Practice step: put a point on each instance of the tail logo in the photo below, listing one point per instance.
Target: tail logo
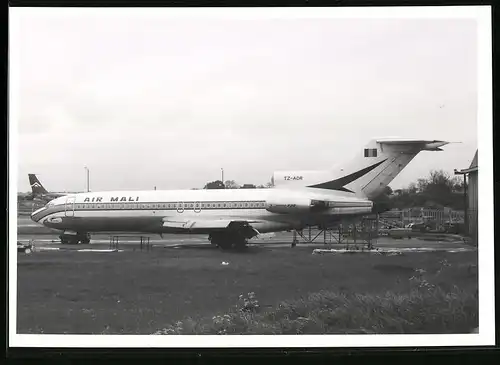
(36, 185)
(338, 184)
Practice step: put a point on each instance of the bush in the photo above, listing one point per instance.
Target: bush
(426, 308)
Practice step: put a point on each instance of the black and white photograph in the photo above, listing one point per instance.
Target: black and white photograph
(200, 175)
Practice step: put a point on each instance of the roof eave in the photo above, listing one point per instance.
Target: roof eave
(466, 171)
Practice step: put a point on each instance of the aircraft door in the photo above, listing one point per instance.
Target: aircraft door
(69, 208)
(197, 207)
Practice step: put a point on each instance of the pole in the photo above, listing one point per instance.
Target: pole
(222, 173)
(88, 179)
(466, 218)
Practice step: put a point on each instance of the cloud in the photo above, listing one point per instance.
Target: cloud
(171, 101)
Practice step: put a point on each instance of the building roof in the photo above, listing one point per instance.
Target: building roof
(474, 161)
(473, 166)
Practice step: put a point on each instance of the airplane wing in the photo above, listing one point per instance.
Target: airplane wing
(210, 224)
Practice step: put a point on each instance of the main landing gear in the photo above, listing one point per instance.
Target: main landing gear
(75, 239)
(228, 240)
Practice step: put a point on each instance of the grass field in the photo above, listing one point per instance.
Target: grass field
(142, 293)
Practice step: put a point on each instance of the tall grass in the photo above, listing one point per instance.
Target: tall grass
(424, 308)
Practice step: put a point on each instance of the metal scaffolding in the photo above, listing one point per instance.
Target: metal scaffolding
(144, 242)
(362, 234)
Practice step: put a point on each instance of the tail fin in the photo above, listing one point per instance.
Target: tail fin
(377, 165)
(36, 186)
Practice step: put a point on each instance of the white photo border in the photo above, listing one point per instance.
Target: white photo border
(486, 335)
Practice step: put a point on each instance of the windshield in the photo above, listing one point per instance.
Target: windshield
(38, 210)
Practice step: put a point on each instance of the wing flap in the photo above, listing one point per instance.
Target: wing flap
(205, 223)
(190, 224)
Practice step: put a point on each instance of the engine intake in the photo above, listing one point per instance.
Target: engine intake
(295, 205)
(289, 203)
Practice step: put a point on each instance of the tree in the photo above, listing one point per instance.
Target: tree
(383, 202)
(436, 191)
(412, 188)
(422, 185)
(217, 184)
(231, 184)
(458, 185)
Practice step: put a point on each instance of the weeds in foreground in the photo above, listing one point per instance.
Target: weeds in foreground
(426, 308)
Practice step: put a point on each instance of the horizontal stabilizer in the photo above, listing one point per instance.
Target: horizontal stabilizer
(425, 145)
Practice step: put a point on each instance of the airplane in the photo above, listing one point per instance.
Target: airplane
(39, 192)
(231, 217)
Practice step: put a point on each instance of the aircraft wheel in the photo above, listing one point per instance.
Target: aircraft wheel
(84, 238)
(240, 243)
(225, 245)
(69, 240)
(228, 241)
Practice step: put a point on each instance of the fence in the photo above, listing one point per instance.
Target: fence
(434, 217)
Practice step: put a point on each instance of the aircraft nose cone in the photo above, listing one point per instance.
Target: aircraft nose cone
(33, 217)
(36, 216)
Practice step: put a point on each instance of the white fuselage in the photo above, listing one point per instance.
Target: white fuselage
(147, 211)
(316, 198)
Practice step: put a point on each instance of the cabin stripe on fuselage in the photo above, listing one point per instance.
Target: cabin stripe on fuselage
(147, 206)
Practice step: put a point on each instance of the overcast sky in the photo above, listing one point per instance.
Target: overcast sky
(168, 102)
